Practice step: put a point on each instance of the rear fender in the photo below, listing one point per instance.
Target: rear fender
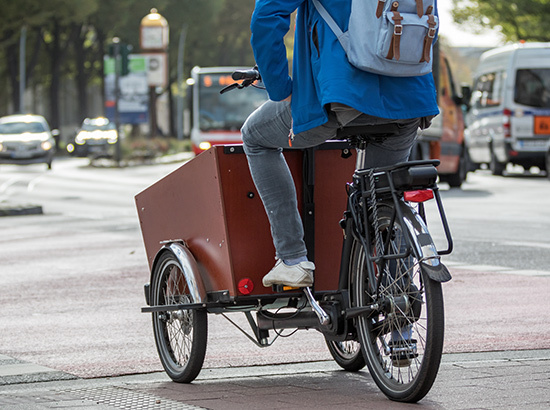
(430, 261)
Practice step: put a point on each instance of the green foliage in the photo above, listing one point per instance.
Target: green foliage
(73, 35)
(518, 19)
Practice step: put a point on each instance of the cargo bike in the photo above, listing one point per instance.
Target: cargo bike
(376, 298)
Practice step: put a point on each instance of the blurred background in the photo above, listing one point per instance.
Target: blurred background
(56, 56)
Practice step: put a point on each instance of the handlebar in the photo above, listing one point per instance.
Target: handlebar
(252, 74)
(249, 76)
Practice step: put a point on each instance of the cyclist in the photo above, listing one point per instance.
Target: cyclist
(324, 94)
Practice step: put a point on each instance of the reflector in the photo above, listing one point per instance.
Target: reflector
(246, 286)
(419, 195)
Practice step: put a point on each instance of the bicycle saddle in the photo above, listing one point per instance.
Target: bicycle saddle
(367, 132)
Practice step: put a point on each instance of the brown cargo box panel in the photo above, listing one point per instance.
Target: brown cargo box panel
(211, 203)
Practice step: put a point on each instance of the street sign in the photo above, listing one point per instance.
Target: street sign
(133, 101)
(157, 69)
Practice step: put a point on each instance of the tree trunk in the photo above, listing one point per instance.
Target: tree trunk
(12, 60)
(55, 71)
(81, 77)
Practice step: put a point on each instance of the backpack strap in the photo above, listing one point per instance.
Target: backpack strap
(343, 39)
(393, 52)
(380, 8)
(419, 8)
(328, 18)
(428, 40)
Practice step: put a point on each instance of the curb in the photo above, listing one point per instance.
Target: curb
(18, 210)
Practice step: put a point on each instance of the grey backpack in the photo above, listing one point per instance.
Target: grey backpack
(392, 38)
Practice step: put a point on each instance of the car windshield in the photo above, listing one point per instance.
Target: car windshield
(533, 87)
(95, 127)
(21, 127)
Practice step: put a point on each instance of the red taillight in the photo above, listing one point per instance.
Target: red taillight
(246, 286)
(506, 122)
(419, 196)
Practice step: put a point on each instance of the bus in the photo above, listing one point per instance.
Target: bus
(217, 118)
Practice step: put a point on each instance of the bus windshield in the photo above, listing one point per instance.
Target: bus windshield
(225, 112)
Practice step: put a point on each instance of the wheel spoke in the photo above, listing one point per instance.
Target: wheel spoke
(180, 334)
(395, 337)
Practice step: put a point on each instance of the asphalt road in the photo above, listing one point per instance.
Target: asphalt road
(72, 278)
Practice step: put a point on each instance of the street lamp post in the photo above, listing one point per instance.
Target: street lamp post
(154, 38)
(118, 64)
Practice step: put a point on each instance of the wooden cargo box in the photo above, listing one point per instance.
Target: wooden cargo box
(211, 203)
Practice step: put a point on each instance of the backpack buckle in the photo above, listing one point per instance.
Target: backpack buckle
(398, 30)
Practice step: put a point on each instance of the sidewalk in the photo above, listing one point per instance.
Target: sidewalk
(490, 380)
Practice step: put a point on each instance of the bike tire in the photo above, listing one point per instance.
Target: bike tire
(407, 375)
(347, 354)
(180, 336)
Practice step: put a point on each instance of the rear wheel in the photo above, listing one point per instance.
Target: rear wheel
(403, 339)
(496, 167)
(180, 335)
(347, 354)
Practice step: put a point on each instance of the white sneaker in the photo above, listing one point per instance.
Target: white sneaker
(298, 276)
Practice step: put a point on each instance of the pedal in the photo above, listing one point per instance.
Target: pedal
(324, 318)
(284, 288)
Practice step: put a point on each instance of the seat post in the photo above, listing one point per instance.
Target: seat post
(361, 149)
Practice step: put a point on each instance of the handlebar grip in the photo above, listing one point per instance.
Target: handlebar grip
(245, 75)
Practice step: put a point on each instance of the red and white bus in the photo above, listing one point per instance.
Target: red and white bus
(217, 118)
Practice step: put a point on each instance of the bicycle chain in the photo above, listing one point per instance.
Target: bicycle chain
(377, 233)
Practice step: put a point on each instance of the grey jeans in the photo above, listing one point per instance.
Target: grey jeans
(265, 134)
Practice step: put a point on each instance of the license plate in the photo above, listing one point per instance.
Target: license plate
(21, 154)
(542, 125)
(526, 144)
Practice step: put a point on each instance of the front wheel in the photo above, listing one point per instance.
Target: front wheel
(402, 339)
(180, 335)
(455, 180)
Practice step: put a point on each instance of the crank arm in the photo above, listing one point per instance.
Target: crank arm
(324, 319)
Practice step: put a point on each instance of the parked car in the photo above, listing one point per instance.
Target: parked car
(508, 120)
(26, 139)
(96, 138)
(444, 139)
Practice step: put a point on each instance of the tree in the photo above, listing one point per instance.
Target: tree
(23, 13)
(57, 33)
(517, 19)
(68, 39)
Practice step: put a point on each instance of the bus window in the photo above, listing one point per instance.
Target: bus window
(533, 87)
(225, 112)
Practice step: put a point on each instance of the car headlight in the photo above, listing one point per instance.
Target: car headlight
(81, 138)
(70, 148)
(46, 145)
(112, 137)
(204, 145)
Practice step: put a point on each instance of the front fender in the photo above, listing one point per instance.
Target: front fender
(189, 267)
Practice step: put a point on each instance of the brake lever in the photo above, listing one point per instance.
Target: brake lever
(230, 87)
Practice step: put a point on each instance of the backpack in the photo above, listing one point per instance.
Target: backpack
(388, 37)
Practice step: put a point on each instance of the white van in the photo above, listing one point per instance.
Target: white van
(508, 120)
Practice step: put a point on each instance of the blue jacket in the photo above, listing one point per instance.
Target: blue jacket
(322, 76)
